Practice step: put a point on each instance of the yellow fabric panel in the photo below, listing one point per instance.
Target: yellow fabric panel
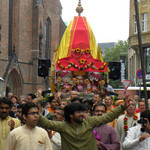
(65, 42)
(92, 41)
(64, 45)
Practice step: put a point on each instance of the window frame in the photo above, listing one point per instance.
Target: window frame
(135, 25)
(147, 57)
(144, 22)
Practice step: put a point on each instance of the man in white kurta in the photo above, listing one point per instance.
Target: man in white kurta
(130, 122)
(56, 141)
(23, 138)
(132, 140)
(29, 136)
(138, 137)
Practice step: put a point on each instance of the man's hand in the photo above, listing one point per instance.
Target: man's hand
(39, 91)
(97, 142)
(127, 102)
(49, 133)
(11, 123)
(143, 137)
(100, 145)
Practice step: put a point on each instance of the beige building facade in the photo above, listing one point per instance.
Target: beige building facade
(133, 53)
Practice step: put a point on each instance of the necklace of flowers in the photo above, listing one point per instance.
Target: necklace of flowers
(135, 117)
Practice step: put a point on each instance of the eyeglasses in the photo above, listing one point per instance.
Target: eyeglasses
(34, 113)
(19, 111)
(57, 113)
(4, 108)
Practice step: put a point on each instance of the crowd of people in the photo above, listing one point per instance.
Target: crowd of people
(69, 122)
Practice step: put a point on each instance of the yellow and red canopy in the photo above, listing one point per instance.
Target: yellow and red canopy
(78, 50)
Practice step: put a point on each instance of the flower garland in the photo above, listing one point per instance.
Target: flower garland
(135, 117)
(77, 50)
(87, 51)
(82, 61)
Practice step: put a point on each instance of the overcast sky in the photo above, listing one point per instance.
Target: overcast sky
(109, 19)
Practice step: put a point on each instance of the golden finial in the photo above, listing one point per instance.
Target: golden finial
(79, 9)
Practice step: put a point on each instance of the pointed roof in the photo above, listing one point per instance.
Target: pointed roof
(78, 47)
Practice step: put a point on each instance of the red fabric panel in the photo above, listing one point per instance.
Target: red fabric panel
(63, 64)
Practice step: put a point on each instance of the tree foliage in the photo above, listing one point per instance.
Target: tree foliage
(113, 55)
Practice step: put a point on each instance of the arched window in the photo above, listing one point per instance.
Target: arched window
(48, 38)
(13, 28)
(10, 28)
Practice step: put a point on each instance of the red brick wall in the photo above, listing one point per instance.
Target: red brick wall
(131, 93)
(26, 18)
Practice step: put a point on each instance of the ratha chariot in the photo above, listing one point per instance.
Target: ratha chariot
(78, 63)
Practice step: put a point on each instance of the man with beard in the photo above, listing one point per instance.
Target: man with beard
(77, 132)
(126, 121)
(7, 123)
(29, 136)
(108, 136)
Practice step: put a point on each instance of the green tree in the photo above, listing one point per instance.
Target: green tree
(113, 55)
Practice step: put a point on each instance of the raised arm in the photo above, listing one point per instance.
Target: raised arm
(52, 125)
(110, 116)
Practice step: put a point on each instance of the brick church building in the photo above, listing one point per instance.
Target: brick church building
(29, 30)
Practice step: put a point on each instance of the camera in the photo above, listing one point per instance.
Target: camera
(142, 121)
